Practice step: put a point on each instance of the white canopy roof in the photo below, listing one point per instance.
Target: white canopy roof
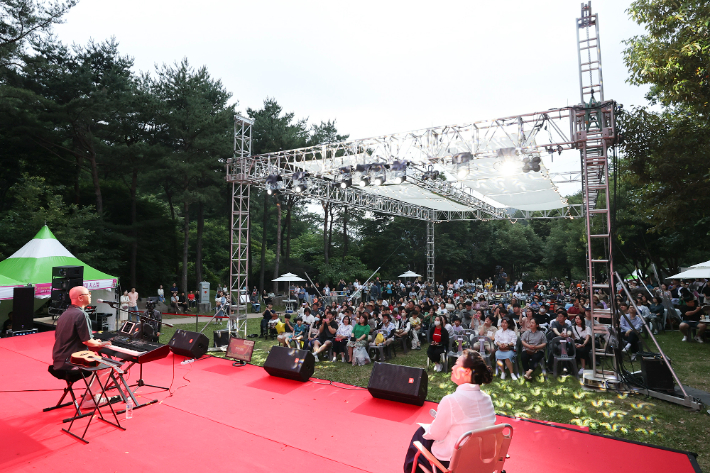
(288, 277)
(410, 274)
(700, 270)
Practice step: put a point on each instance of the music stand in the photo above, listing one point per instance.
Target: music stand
(241, 350)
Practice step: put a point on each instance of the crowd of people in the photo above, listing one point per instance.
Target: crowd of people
(506, 326)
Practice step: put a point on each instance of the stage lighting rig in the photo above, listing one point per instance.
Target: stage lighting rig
(345, 177)
(461, 161)
(378, 174)
(362, 177)
(274, 184)
(300, 181)
(430, 173)
(398, 172)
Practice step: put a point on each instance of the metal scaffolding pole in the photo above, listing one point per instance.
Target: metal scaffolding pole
(430, 251)
(238, 173)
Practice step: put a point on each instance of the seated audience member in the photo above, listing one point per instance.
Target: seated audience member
(581, 333)
(524, 320)
(272, 325)
(308, 318)
(402, 327)
(285, 337)
(300, 332)
(505, 340)
(342, 337)
(657, 311)
(690, 314)
(326, 334)
(358, 339)
(486, 329)
(467, 408)
(534, 342)
(416, 326)
(559, 327)
(628, 324)
(313, 332)
(438, 342)
(387, 328)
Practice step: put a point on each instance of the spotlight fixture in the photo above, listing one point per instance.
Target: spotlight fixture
(430, 173)
(398, 172)
(345, 177)
(461, 161)
(274, 184)
(378, 174)
(362, 178)
(300, 183)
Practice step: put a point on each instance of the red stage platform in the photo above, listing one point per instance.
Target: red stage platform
(220, 418)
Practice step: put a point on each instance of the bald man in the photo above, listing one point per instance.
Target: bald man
(73, 331)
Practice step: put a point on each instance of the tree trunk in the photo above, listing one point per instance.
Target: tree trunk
(264, 220)
(277, 260)
(134, 229)
(326, 207)
(77, 189)
(345, 232)
(186, 242)
(198, 250)
(287, 255)
(169, 196)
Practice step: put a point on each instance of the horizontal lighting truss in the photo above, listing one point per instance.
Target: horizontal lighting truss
(533, 134)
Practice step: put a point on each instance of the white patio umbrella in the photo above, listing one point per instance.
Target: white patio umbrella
(288, 277)
(700, 270)
(410, 274)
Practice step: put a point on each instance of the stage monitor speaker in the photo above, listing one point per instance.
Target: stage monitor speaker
(65, 284)
(190, 344)
(290, 363)
(23, 308)
(655, 373)
(398, 383)
(221, 338)
(68, 272)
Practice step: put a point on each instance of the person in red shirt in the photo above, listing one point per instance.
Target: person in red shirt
(575, 309)
(438, 341)
(191, 299)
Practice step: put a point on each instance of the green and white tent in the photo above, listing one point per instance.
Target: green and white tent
(33, 263)
(7, 286)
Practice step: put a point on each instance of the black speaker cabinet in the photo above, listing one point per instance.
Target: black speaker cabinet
(656, 374)
(290, 363)
(23, 308)
(398, 383)
(190, 344)
(68, 272)
(221, 338)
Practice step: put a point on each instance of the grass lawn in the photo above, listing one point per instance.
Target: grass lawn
(628, 416)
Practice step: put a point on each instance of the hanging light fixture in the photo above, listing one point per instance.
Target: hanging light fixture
(362, 178)
(274, 184)
(378, 174)
(398, 172)
(300, 181)
(461, 163)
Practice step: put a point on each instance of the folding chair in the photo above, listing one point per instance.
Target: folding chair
(480, 451)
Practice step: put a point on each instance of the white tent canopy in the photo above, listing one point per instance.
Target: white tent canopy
(289, 277)
(700, 270)
(410, 274)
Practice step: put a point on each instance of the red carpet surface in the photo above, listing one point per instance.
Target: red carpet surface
(223, 417)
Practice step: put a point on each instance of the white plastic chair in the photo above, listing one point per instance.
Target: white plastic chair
(477, 451)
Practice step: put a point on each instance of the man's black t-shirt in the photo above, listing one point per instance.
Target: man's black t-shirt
(325, 334)
(267, 314)
(72, 330)
(685, 309)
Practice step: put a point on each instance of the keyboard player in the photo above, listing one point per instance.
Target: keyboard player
(73, 333)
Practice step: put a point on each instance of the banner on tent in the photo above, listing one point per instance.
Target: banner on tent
(44, 289)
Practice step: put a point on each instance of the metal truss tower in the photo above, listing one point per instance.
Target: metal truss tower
(594, 132)
(238, 174)
(430, 251)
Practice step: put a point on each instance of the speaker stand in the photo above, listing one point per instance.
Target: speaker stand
(239, 363)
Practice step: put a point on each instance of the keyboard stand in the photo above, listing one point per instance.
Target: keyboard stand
(140, 381)
(97, 407)
(131, 392)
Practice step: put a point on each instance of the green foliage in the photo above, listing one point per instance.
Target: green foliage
(36, 203)
(674, 54)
